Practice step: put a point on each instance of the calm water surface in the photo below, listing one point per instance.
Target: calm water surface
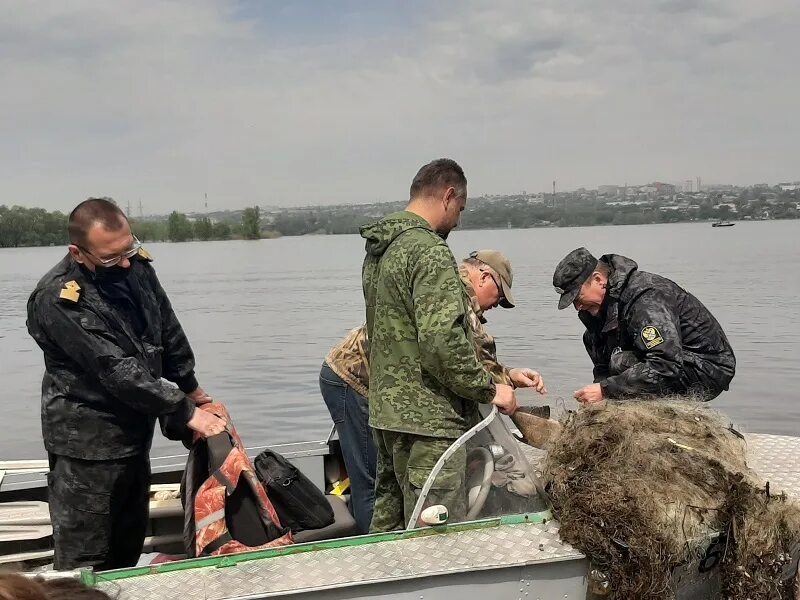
(262, 315)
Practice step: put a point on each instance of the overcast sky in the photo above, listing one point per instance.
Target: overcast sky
(296, 103)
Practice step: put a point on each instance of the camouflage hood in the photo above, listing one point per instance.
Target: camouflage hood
(379, 235)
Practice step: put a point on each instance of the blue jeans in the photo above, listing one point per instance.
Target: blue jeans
(350, 412)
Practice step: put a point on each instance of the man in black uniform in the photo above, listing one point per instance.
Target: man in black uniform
(109, 335)
(645, 334)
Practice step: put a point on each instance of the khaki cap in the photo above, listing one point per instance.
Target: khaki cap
(502, 266)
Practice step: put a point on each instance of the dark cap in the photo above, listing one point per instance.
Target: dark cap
(571, 273)
(501, 266)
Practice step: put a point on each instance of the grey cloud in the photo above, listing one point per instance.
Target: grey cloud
(517, 59)
(682, 6)
(169, 101)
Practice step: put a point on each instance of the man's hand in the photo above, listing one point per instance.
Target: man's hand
(504, 399)
(199, 397)
(528, 378)
(205, 423)
(591, 394)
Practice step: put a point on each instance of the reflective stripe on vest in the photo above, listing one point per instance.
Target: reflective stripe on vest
(212, 518)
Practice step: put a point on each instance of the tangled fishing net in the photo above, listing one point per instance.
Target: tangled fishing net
(643, 487)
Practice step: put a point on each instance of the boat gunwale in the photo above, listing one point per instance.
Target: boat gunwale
(171, 463)
(92, 578)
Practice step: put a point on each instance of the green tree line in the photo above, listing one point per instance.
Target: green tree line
(179, 228)
(20, 226)
(37, 227)
(520, 213)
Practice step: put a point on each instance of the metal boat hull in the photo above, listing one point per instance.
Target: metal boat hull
(520, 556)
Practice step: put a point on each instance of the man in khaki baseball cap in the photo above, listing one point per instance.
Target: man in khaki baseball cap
(487, 278)
(500, 272)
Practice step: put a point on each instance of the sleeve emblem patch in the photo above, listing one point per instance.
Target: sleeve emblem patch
(651, 337)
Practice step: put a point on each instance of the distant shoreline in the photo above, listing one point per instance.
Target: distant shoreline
(273, 235)
(24, 227)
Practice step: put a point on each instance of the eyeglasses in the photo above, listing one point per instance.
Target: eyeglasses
(489, 270)
(500, 294)
(110, 262)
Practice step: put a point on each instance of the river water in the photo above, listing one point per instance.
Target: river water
(262, 315)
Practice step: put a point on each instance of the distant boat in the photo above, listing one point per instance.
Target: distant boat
(722, 224)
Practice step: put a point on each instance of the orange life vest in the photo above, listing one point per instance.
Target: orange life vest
(231, 492)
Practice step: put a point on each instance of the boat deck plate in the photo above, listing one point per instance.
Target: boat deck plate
(465, 551)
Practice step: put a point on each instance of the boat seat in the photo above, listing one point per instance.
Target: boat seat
(344, 525)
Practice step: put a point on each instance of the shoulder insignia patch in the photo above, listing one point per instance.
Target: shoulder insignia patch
(145, 254)
(71, 291)
(651, 337)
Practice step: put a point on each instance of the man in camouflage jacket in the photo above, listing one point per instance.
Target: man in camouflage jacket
(487, 277)
(344, 377)
(109, 335)
(646, 335)
(425, 379)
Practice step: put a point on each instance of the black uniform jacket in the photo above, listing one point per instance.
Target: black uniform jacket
(680, 345)
(104, 362)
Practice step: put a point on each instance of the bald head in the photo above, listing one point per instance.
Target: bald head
(91, 212)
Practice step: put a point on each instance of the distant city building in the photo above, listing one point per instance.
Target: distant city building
(608, 190)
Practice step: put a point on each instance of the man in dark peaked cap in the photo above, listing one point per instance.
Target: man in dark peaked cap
(645, 334)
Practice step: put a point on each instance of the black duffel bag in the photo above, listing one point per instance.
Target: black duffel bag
(299, 503)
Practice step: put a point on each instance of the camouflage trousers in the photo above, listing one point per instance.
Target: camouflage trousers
(99, 511)
(404, 463)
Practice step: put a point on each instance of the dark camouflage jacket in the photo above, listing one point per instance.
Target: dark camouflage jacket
(102, 389)
(424, 376)
(680, 344)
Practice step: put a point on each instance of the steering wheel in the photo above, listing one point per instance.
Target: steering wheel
(479, 480)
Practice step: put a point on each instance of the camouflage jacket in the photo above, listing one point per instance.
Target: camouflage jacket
(102, 389)
(482, 341)
(678, 342)
(349, 359)
(424, 376)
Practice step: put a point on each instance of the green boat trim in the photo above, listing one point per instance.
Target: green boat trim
(91, 578)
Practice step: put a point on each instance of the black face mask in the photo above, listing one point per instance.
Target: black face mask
(115, 274)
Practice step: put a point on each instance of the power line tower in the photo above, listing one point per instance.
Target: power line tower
(141, 211)
(554, 193)
(128, 210)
